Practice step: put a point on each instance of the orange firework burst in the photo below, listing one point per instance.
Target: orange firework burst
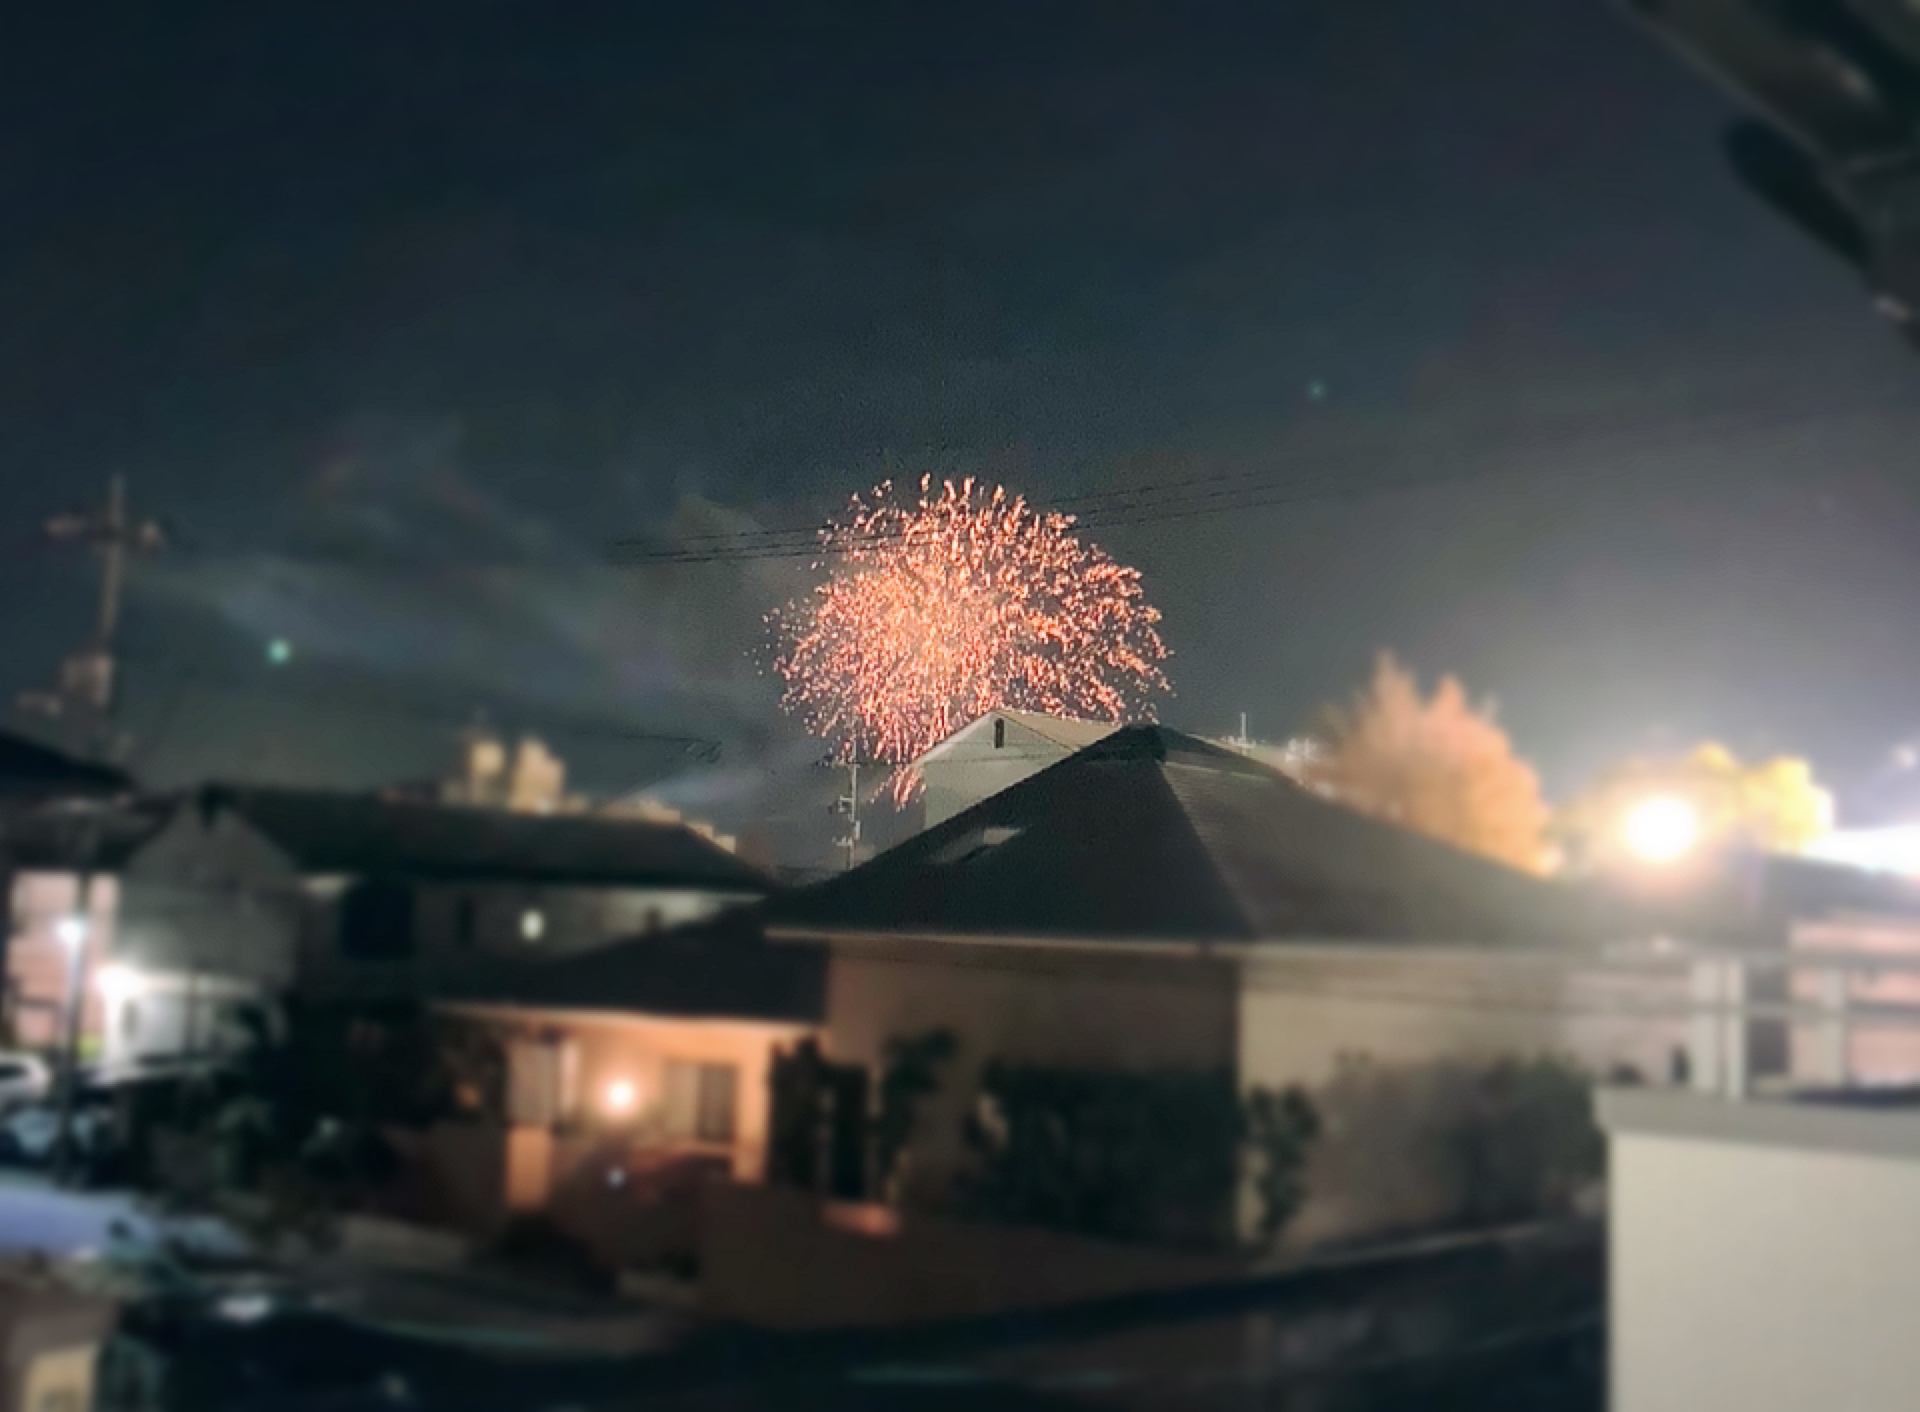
(938, 612)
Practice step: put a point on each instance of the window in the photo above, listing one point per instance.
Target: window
(999, 734)
(533, 924)
(376, 921)
(700, 1100)
(466, 922)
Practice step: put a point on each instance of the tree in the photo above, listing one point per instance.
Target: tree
(1774, 806)
(1438, 765)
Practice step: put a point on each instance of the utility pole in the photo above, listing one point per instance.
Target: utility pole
(849, 804)
(88, 692)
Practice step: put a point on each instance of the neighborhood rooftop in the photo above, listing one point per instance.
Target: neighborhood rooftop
(1151, 834)
(32, 770)
(719, 968)
(336, 832)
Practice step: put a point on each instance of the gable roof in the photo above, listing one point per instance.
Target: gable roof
(33, 771)
(721, 968)
(1068, 732)
(325, 831)
(1154, 835)
(68, 836)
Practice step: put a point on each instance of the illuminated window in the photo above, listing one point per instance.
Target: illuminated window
(533, 924)
(700, 1100)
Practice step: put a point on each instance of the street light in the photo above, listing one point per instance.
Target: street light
(1663, 829)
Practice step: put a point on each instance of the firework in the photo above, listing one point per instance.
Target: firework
(940, 611)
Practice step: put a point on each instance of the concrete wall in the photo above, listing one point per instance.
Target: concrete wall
(1300, 1018)
(1764, 1257)
(781, 1259)
(1034, 1005)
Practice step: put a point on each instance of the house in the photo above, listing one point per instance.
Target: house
(647, 1060)
(1156, 903)
(226, 896)
(995, 752)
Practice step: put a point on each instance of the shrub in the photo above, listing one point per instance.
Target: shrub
(1153, 1157)
(1458, 1142)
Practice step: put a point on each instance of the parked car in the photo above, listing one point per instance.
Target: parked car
(24, 1079)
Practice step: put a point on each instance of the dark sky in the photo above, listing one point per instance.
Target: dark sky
(400, 314)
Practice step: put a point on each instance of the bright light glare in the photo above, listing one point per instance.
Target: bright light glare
(1663, 829)
(71, 930)
(620, 1096)
(119, 983)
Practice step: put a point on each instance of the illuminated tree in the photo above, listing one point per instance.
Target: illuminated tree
(1774, 806)
(1435, 764)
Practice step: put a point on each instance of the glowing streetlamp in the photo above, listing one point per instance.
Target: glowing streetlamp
(1663, 829)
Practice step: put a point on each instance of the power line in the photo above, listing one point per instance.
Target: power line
(181, 676)
(1228, 492)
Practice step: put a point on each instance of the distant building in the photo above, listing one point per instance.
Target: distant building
(230, 896)
(995, 752)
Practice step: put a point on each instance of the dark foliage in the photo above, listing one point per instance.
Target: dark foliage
(1152, 1157)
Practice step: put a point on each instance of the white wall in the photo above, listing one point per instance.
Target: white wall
(1300, 1017)
(1765, 1256)
(970, 769)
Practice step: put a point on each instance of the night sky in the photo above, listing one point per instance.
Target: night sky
(400, 315)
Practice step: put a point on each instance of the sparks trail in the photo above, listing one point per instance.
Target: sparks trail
(939, 611)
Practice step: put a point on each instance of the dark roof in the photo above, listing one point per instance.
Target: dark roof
(1737, 891)
(366, 835)
(718, 969)
(66, 837)
(1151, 834)
(32, 771)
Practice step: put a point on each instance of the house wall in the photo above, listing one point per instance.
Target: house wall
(970, 769)
(209, 918)
(38, 963)
(636, 1051)
(1024, 1004)
(1764, 1256)
(1301, 1018)
(1870, 1054)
